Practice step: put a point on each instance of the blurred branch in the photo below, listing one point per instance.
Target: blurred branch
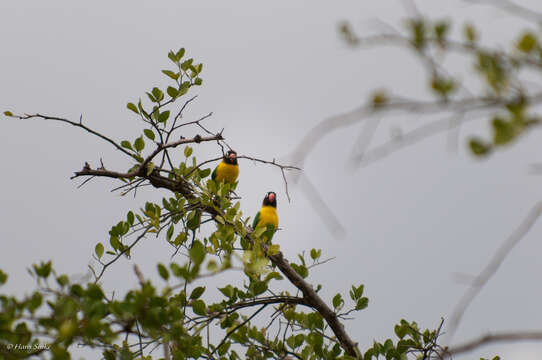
(511, 8)
(491, 268)
(514, 336)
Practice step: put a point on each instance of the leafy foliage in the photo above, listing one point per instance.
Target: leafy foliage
(205, 227)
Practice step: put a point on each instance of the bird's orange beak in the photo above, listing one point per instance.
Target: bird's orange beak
(271, 197)
(232, 156)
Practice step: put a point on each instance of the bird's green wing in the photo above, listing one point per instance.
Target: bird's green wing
(256, 219)
(213, 175)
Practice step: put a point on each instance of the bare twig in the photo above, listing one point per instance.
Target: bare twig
(126, 249)
(274, 163)
(76, 124)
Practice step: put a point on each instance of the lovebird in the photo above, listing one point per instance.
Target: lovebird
(267, 216)
(227, 170)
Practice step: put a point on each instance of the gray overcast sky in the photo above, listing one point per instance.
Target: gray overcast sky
(271, 72)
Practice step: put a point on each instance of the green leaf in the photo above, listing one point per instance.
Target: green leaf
(171, 74)
(404, 345)
(197, 292)
(197, 252)
(259, 287)
(149, 133)
(273, 275)
(115, 243)
(8, 113)
(204, 173)
(299, 338)
(478, 147)
(172, 92)
(163, 116)
(301, 270)
(184, 88)
(187, 151)
(199, 307)
(185, 65)
(99, 250)
(359, 291)
(132, 107)
(315, 254)
(418, 34)
(441, 29)
(291, 341)
(158, 94)
(3, 277)
(527, 43)
(198, 81)
(470, 33)
(109, 355)
(130, 217)
(504, 131)
(62, 280)
(273, 249)
(150, 168)
(171, 55)
(169, 233)
(139, 144)
(95, 292)
(337, 301)
(43, 270)
(228, 291)
(180, 53)
(126, 144)
(181, 238)
(193, 219)
(259, 231)
(362, 303)
(164, 273)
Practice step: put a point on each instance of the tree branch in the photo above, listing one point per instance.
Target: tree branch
(491, 268)
(492, 338)
(311, 298)
(317, 303)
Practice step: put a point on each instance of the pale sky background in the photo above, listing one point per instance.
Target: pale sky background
(271, 72)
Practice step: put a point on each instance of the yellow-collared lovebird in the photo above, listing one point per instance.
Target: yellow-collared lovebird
(267, 216)
(227, 170)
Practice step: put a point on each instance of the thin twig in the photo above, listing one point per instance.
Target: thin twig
(229, 333)
(105, 266)
(76, 124)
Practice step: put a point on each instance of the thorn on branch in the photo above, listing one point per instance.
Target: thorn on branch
(197, 139)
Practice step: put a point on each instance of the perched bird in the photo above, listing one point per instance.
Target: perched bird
(267, 216)
(227, 170)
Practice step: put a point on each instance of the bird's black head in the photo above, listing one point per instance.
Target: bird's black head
(231, 157)
(270, 199)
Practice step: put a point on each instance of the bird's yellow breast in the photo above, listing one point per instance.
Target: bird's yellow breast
(268, 216)
(227, 172)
